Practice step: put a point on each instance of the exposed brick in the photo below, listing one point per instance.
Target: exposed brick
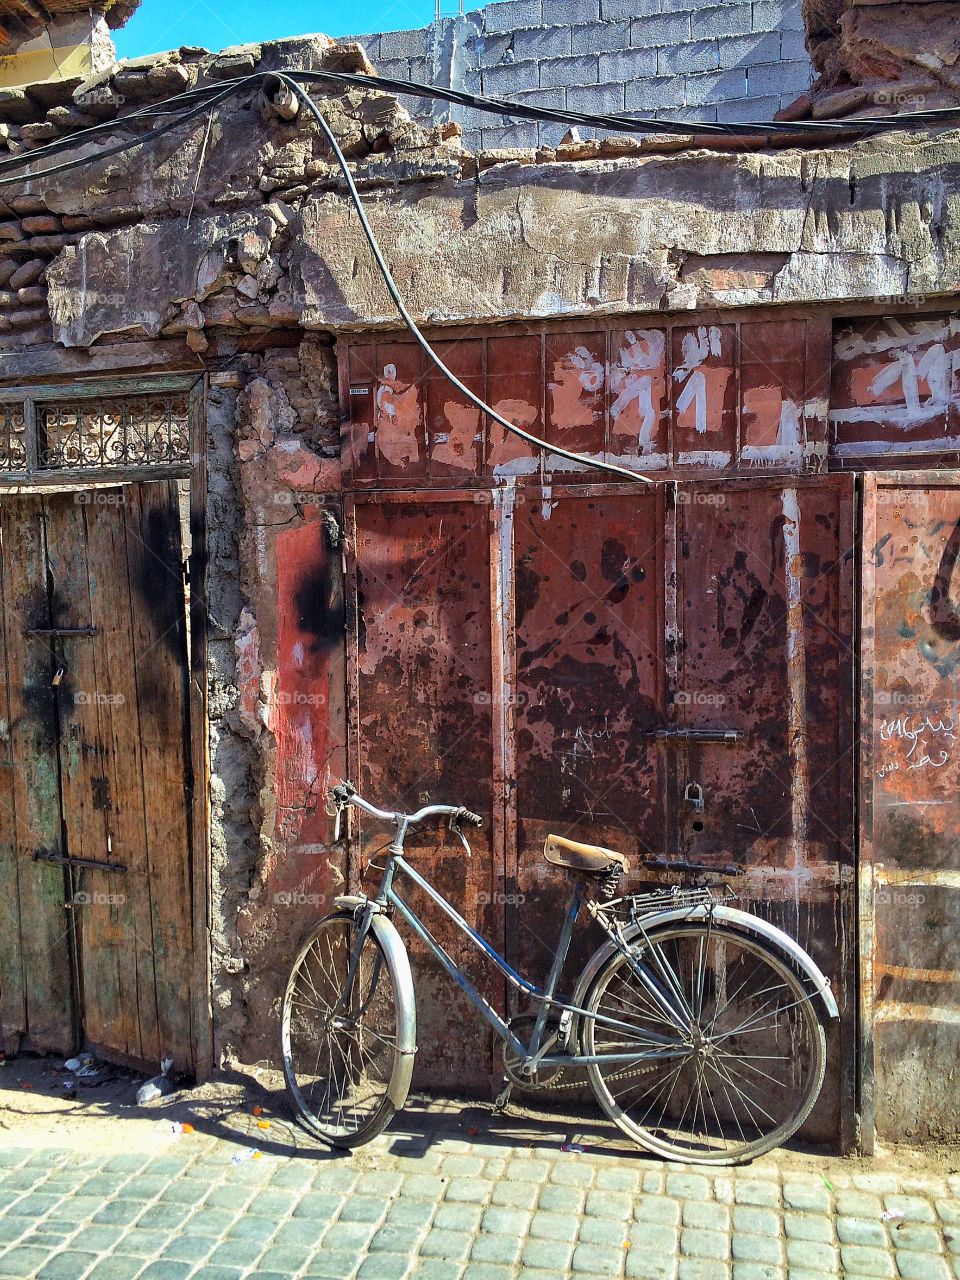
(668, 28)
(777, 78)
(567, 12)
(600, 37)
(569, 71)
(509, 15)
(721, 20)
(599, 98)
(749, 50)
(630, 64)
(655, 95)
(541, 42)
(403, 44)
(716, 86)
(783, 15)
(698, 55)
(510, 77)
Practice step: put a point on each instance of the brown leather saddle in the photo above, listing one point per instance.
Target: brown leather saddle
(587, 859)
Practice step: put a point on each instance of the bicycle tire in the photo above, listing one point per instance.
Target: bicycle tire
(354, 1109)
(719, 1136)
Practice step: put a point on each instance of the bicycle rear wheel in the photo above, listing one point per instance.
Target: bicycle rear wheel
(741, 1078)
(341, 1050)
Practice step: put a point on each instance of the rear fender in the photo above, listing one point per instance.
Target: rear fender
(741, 921)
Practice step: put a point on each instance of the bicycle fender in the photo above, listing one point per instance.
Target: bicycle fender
(398, 962)
(743, 921)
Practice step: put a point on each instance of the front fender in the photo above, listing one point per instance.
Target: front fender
(742, 921)
(398, 963)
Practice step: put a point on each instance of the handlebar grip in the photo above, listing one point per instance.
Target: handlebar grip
(471, 819)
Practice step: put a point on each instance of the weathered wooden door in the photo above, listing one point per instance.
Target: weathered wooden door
(96, 908)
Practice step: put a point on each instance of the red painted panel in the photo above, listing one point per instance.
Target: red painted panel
(515, 390)
(639, 395)
(398, 413)
(361, 386)
(704, 395)
(773, 391)
(455, 426)
(576, 374)
(896, 388)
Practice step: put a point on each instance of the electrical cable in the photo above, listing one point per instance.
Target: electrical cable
(412, 325)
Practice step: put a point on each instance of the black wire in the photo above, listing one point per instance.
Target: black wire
(550, 449)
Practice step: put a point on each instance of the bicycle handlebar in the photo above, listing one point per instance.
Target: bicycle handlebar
(345, 793)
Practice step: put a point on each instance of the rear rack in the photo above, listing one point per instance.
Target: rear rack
(633, 907)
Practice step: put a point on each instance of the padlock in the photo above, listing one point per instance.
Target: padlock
(693, 796)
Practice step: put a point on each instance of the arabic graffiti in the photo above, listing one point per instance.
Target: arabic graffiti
(929, 738)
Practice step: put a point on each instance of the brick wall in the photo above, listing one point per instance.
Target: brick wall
(720, 60)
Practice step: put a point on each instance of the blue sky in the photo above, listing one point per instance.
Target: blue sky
(166, 24)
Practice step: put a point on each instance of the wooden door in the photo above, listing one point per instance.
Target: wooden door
(95, 864)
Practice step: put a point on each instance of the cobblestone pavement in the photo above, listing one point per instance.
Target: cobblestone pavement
(452, 1193)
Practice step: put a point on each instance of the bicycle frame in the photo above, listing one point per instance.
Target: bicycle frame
(533, 1054)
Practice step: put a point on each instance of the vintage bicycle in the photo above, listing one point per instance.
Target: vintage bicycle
(700, 1026)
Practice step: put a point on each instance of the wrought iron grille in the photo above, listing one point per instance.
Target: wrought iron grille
(135, 431)
(13, 438)
(73, 429)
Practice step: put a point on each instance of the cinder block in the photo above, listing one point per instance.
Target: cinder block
(692, 115)
(518, 135)
(644, 96)
(509, 78)
(721, 20)
(628, 8)
(777, 15)
(739, 109)
(403, 44)
(541, 42)
(567, 13)
(569, 71)
(509, 15)
(749, 50)
(668, 28)
(793, 46)
(600, 37)
(553, 98)
(776, 78)
(602, 99)
(714, 87)
(372, 46)
(493, 48)
(695, 55)
(629, 64)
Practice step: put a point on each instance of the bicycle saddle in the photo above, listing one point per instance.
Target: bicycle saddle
(590, 859)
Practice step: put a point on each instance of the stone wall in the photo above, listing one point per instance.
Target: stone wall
(729, 60)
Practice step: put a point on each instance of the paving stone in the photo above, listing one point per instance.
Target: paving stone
(912, 1208)
(921, 1266)
(699, 1243)
(116, 1267)
(333, 1264)
(362, 1209)
(71, 1264)
(501, 1249)
(217, 1273)
(554, 1226)
(609, 1204)
(168, 1271)
(549, 1254)
(809, 1226)
(758, 1193)
(238, 1253)
(751, 1248)
(449, 1245)
(858, 1204)
(917, 1237)
(702, 1269)
(812, 1255)
(860, 1261)
(656, 1209)
(689, 1186)
(597, 1259)
(561, 1199)
(349, 1235)
(606, 1231)
(860, 1231)
(706, 1215)
(658, 1237)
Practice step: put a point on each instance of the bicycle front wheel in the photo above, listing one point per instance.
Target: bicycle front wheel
(342, 1057)
(741, 1075)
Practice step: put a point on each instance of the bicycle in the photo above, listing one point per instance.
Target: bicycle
(700, 1026)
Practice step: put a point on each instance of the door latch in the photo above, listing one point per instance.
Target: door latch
(693, 796)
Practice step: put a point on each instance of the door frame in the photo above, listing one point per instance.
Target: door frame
(194, 468)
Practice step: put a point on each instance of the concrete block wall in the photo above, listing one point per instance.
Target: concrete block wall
(718, 60)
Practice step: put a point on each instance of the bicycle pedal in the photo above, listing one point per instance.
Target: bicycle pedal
(502, 1098)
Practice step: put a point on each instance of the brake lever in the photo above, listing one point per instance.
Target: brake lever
(455, 828)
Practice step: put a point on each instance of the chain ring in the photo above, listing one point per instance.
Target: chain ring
(557, 1079)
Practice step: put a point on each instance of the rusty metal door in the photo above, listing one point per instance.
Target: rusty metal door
(422, 719)
(910, 817)
(96, 941)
